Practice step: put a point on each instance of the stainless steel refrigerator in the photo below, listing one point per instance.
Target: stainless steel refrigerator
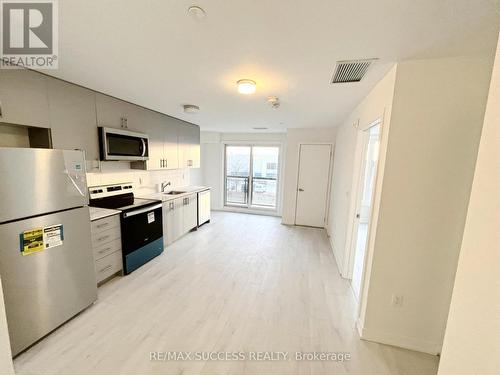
(46, 261)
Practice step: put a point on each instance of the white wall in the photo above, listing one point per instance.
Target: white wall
(212, 154)
(5, 352)
(294, 138)
(342, 200)
(472, 341)
(435, 126)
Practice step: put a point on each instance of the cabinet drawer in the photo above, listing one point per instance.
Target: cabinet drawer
(109, 265)
(101, 225)
(107, 248)
(105, 237)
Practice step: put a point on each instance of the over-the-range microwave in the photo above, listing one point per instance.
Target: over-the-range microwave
(120, 144)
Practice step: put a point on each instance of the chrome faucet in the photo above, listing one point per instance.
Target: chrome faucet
(164, 185)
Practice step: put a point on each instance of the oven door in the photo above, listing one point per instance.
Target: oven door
(141, 227)
(142, 236)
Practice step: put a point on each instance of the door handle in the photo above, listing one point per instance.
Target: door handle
(300, 189)
(358, 216)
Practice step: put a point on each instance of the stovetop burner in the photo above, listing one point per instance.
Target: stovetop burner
(118, 197)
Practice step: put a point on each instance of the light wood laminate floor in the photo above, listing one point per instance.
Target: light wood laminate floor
(243, 283)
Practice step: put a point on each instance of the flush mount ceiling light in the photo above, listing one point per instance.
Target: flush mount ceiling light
(259, 128)
(191, 108)
(246, 86)
(197, 12)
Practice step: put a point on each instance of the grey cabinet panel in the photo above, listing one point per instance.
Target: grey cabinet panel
(171, 141)
(23, 98)
(111, 112)
(189, 146)
(163, 150)
(73, 118)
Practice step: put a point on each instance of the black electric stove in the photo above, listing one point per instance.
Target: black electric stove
(141, 222)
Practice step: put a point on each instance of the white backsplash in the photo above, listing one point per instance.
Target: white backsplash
(145, 182)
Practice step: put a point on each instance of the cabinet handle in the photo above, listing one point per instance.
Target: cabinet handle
(102, 225)
(104, 250)
(106, 268)
(171, 205)
(103, 238)
(1, 112)
(166, 163)
(189, 163)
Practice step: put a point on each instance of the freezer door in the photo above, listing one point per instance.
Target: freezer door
(38, 181)
(46, 288)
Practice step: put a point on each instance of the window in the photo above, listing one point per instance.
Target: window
(251, 176)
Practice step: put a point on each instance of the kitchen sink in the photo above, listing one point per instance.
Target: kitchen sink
(173, 192)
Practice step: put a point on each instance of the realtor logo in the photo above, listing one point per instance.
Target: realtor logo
(29, 34)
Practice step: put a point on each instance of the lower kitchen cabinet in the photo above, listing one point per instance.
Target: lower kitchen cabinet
(107, 247)
(180, 215)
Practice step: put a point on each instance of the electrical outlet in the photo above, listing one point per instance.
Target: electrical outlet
(397, 300)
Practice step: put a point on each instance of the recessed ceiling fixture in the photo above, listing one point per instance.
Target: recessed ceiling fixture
(349, 71)
(246, 86)
(191, 108)
(197, 12)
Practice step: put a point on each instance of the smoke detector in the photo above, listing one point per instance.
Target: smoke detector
(191, 108)
(349, 71)
(274, 102)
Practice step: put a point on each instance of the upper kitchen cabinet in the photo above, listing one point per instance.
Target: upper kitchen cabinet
(23, 98)
(116, 113)
(189, 146)
(163, 150)
(73, 118)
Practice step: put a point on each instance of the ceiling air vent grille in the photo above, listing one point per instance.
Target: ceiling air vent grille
(351, 71)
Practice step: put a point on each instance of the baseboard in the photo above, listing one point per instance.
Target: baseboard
(405, 342)
(339, 265)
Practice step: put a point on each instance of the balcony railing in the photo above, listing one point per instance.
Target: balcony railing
(263, 193)
(237, 190)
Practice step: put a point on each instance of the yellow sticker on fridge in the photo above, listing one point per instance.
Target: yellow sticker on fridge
(32, 241)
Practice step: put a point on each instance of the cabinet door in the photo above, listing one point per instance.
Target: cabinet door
(23, 98)
(190, 212)
(152, 126)
(111, 112)
(179, 218)
(72, 118)
(168, 222)
(189, 146)
(171, 140)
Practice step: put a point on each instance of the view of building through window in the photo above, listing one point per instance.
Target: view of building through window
(252, 175)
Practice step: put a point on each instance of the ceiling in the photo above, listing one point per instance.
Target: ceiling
(154, 54)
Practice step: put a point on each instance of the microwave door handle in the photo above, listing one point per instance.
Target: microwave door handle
(141, 211)
(143, 147)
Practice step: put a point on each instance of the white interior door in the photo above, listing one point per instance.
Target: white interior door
(371, 142)
(312, 186)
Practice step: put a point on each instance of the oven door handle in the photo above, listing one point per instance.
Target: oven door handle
(138, 212)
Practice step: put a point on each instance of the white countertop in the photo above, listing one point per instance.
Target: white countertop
(97, 213)
(166, 197)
